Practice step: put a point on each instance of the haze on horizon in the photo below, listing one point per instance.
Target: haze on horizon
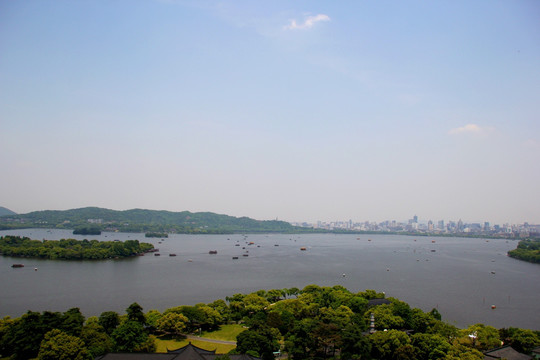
(301, 111)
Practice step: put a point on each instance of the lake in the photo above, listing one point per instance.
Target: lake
(461, 277)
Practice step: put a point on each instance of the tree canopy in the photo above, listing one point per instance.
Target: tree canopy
(71, 249)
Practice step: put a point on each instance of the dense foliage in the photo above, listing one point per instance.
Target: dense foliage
(139, 220)
(313, 323)
(87, 230)
(528, 250)
(156, 235)
(71, 249)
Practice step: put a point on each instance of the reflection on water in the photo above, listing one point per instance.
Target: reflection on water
(461, 277)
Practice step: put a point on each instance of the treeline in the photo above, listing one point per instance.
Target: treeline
(528, 250)
(313, 323)
(71, 249)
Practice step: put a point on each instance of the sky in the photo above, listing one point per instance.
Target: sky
(295, 110)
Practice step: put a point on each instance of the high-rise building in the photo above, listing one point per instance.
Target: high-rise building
(440, 225)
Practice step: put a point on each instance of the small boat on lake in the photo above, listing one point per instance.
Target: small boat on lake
(303, 249)
(172, 254)
(212, 252)
(235, 257)
(17, 265)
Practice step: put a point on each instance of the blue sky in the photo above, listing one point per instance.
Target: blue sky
(304, 111)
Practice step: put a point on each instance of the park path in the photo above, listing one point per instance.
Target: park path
(193, 337)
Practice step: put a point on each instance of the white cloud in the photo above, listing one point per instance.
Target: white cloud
(308, 22)
(470, 129)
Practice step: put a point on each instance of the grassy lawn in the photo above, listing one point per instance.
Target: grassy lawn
(166, 342)
(225, 332)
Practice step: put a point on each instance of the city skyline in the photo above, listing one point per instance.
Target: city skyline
(300, 111)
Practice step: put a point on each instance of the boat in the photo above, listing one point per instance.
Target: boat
(172, 254)
(212, 252)
(157, 254)
(17, 265)
(245, 254)
(190, 260)
(235, 257)
(276, 244)
(303, 249)
(237, 245)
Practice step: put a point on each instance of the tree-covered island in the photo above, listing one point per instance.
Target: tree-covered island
(314, 323)
(71, 249)
(156, 235)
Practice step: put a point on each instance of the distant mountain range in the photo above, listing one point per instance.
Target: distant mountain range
(4, 211)
(140, 220)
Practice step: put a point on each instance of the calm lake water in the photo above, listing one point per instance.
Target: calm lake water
(456, 278)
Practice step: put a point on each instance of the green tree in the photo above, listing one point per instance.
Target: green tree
(480, 336)
(6, 325)
(461, 352)
(385, 317)
(109, 320)
(23, 338)
(430, 346)
(299, 342)
(72, 321)
(96, 339)
(341, 317)
(172, 323)
(131, 337)
(58, 345)
(135, 313)
(151, 318)
(354, 344)
(254, 303)
(385, 343)
(263, 342)
(212, 318)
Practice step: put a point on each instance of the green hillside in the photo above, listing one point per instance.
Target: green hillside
(144, 221)
(4, 211)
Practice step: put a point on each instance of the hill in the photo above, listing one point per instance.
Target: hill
(4, 211)
(144, 221)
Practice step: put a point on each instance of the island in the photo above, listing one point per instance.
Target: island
(87, 230)
(156, 235)
(71, 249)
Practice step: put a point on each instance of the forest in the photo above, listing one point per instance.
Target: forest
(313, 323)
(71, 249)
